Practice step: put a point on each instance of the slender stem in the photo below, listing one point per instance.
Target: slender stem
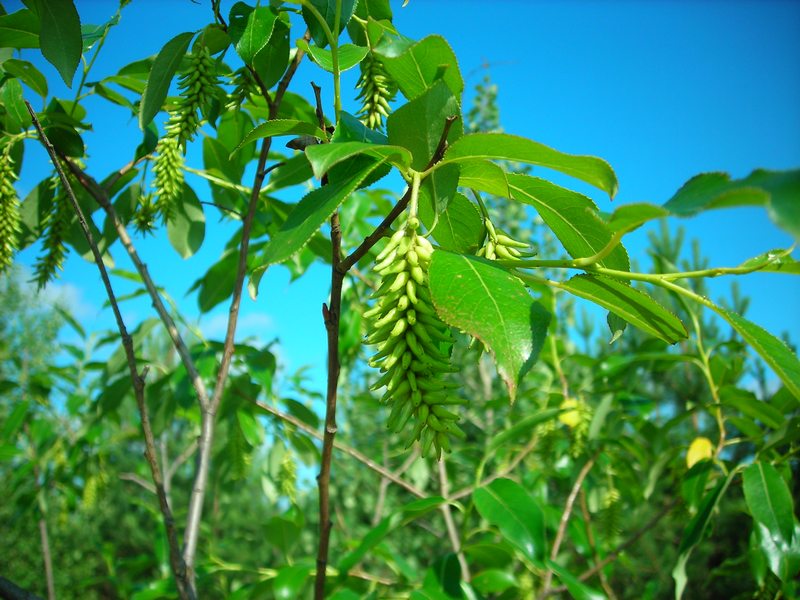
(562, 526)
(209, 411)
(612, 556)
(350, 451)
(452, 530)
(587, 521)
(182, 581)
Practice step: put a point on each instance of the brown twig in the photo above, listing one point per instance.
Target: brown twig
(611, 557)
(398, 208)
(452, 530)
(184, 585)
(587, 521)
(562, 526)
(209, 412)
(140, 481)
(363, 459)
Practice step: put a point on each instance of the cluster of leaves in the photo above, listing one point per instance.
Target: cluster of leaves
(531, 500)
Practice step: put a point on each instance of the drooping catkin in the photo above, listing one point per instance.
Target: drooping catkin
(56, 230)
(376, 90)
(9, 210)
(413, 344)
(196, 90)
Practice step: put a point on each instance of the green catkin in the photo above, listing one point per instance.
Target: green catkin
(57, 226)
(376, 90)
(412, 351)
(244, 86)
(9, 210)
(197, 86)
(144, 219)
(500, 245)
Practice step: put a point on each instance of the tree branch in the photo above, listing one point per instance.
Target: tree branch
(562, 526)
(184, 585)
(452, 530)
(209, 412)
(349, 450)
(140, 481)
(398, 208)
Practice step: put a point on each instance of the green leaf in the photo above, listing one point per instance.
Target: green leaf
(290, 581)
(439, 189)
(769, 499)
(19, 30)
(507, 506)
(278, 127)
(774, 352)
(309, 215)
(777, 191)
(636, 307)
(694, 530)
(8, 451)
(250, 29)
(774, 261)
(501, 146)
(27, 74)
(327, 9)
(14, 420)
(293, 171)
(164, 67)
(187, 228)
(459, 228)
(349, 55)
(60, 36)
(572, 217)
(17, 115)
(418, 125)
(401, 517)
(632, 216)
(324, 156)
(252, 429)
(577, 589)
(217, 284)
(493, 306)
(522, 426)
(421, 65)
(747, 402)
(494, 581)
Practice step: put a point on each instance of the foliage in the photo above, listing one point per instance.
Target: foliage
(566, 473)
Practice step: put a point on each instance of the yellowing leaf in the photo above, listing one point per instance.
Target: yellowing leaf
(701, 448)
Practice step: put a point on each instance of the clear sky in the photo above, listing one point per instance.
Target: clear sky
(662, 90)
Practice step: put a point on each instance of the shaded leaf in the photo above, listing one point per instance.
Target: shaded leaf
(507, 506)
(186, 229)
(19, 30)
(278, 127)
(459, 228)
(327, 10)
(27, 74)
(60, 36)
(769, 499)
(324, 156)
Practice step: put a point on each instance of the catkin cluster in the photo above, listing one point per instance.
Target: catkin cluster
(196, 86)
(413, 344)
(376, 89)
(500, 245)
(57, 224)
(9, 210)
(244, 86)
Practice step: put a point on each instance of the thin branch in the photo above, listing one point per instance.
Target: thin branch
(363, 459)
(587, 521)
(330, 316)
(140, 481)
(385, 481)
(506, 471)
(398, 208)
(109, 184)
(101, 197)
(452, 530)
(185, 588)
(562, 526)
(209, 412)
(622, 547)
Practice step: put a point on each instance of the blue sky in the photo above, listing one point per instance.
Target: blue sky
(662, 90)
